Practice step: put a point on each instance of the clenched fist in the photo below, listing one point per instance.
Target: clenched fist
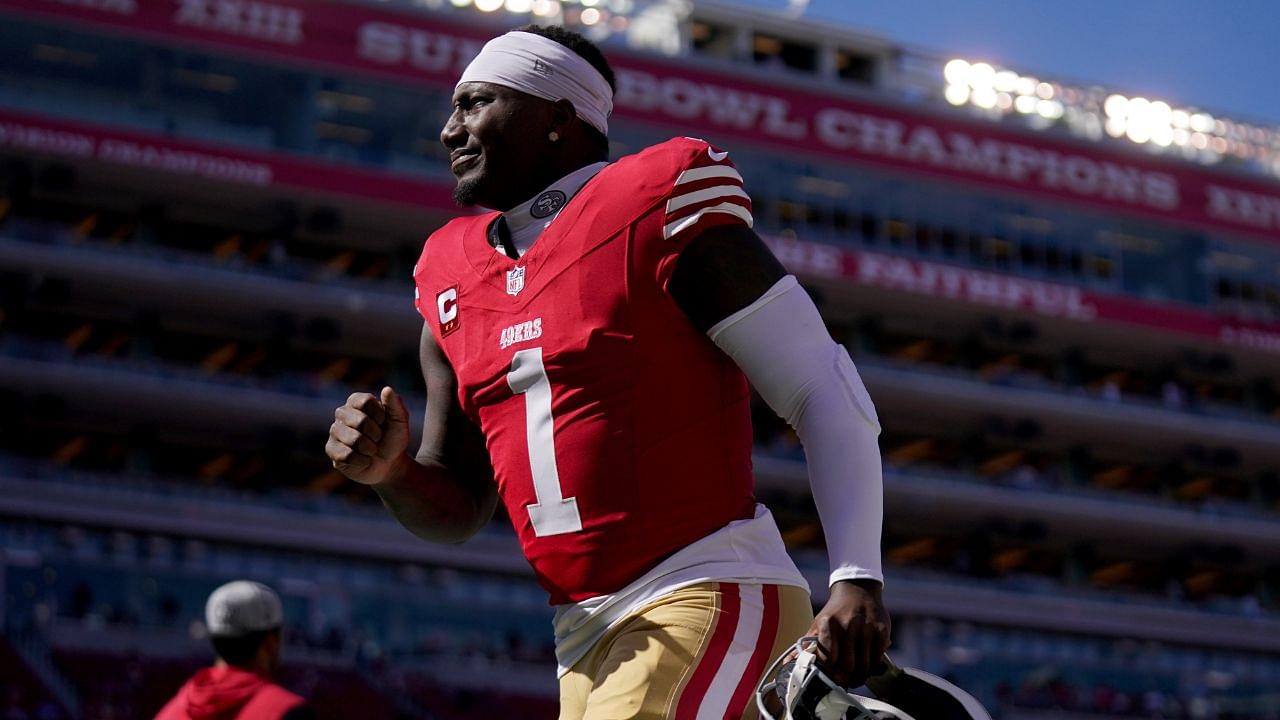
(853, 631)
(369, 437)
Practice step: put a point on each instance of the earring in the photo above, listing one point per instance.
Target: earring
(553, 135)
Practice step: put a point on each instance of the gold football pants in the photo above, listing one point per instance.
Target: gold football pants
(695, 654)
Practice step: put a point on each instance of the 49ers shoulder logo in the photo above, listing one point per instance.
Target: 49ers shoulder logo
(447, 305)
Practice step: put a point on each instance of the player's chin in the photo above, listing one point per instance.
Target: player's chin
(469, 190)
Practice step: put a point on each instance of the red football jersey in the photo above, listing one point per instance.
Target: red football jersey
(618, 432)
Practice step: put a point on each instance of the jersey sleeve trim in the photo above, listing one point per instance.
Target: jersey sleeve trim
(697, 196)
(704, 173)
(713, 187)
(673, 228)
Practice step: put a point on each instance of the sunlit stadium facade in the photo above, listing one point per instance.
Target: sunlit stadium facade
(210, 215)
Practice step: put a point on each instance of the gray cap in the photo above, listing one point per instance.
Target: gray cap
(242, 607)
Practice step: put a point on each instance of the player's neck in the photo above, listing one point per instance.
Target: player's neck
(526, 221)
(257, 666)
(537, 182)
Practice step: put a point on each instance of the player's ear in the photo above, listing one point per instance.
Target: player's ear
(562, 117)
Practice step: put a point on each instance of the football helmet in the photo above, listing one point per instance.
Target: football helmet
(795, 688)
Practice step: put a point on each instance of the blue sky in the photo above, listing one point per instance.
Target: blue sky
(1223, 56)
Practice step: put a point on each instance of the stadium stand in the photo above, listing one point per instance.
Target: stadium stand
(1082, 422)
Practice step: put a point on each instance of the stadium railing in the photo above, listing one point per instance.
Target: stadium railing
(1088, 511)
(383, 540)
(302, 271)
(384, 304)
(893, 380)
(981, 656)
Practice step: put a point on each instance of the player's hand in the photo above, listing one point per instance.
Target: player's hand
(853, 631)
(369, 437)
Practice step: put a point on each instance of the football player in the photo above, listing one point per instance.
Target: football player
(587, 349)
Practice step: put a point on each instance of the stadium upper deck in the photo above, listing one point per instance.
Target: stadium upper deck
(738, 35)
(846, 140)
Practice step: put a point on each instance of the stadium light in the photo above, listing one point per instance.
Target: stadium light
(984, 96)
(1006, 81)
(1049, 109)
(1115, 105)
(957, 73)
(1092, 111)
(957, 94)
(647, 24)
(982, 75)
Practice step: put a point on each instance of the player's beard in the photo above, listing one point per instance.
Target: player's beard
(464, 193)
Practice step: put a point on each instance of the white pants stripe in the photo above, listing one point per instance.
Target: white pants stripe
(745, 638)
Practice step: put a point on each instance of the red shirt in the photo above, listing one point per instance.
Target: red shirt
(229, 693)
(618, 432)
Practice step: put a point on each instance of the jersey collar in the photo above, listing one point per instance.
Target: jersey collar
(492, 265)
(527, 220)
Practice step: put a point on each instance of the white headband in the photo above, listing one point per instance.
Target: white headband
(544, 68)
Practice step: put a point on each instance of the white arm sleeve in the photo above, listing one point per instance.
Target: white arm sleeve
(783, 346)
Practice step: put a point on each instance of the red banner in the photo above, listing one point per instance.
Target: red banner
(347, 37)
(1009, 292)
(47, 136)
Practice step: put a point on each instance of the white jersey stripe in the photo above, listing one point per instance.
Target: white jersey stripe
(715, 703)
(676, 226)
(697, 196)
(710, 171)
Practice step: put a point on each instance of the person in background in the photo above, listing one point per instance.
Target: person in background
(244, 620)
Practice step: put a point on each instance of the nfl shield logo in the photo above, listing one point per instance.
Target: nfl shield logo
(515, 281)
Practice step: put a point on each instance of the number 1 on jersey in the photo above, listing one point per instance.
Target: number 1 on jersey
(553, 514)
